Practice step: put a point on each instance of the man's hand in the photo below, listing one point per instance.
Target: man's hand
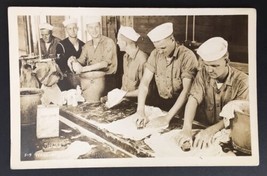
(77, 68)
(184, 136)
(141, 120)
(71, 64)
(204, 138)
(104, 99)
(70, 60)
(185, 140)
(162, 121)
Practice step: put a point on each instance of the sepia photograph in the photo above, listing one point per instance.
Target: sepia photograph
(132, 87)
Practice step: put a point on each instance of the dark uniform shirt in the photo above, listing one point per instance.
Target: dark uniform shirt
(65, 49)
(49, 52)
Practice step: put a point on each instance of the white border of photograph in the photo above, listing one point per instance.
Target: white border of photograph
(16, 163)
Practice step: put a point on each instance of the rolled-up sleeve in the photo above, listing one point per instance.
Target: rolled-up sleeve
(142, 66)
(84, 55)
(243, 90)
(109, 51)
(189, 65)
(110, 55)
(197, 90)
(151, 62)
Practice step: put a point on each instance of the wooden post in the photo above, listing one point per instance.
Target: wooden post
(37, 23)
(186, 27)
(29, 35)
(194, 21)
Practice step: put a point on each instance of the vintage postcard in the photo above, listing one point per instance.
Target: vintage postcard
(132, 87)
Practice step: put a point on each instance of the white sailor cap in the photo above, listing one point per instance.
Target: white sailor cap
(161, 32)
(46, 26)
(69, 21)
(129, 33)
(213, 49)
(92, 19)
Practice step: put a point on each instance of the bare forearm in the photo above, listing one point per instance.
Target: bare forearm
(181, 100)
(190, 112)
(143, 91)
(142, 94)
(96, 66)
(133, 93)
(216, 127)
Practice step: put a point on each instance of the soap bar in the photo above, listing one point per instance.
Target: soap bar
(47, 123)
(186, 146)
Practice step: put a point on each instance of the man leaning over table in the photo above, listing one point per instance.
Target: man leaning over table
(215, 85)
(174, 67)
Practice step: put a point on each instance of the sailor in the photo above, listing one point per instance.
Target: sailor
(69, 47)
(48, 42)
(216, 84)
(97, 54)
(134, 60)
(174, 67)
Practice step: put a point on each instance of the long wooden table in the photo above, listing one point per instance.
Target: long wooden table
(87, 116)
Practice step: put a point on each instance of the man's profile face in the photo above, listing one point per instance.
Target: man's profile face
(121, 43)
(46, 35)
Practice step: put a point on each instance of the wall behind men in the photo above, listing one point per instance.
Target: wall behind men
(234, 29)
(59, 30)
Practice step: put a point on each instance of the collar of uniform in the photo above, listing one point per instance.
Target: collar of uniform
(52, 39)
(100, 41)
(176, 50)
(228, 81)
(135, 54)
(175, 53)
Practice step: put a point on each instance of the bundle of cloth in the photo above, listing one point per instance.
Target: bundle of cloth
(43, 75)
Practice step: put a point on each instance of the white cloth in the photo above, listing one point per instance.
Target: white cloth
(161, 32)
(213, 49)
(51, 95)
(166, 145)
(115, 96)
(129, 33)
(228, 111)
(127, 127)
(72, 96)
